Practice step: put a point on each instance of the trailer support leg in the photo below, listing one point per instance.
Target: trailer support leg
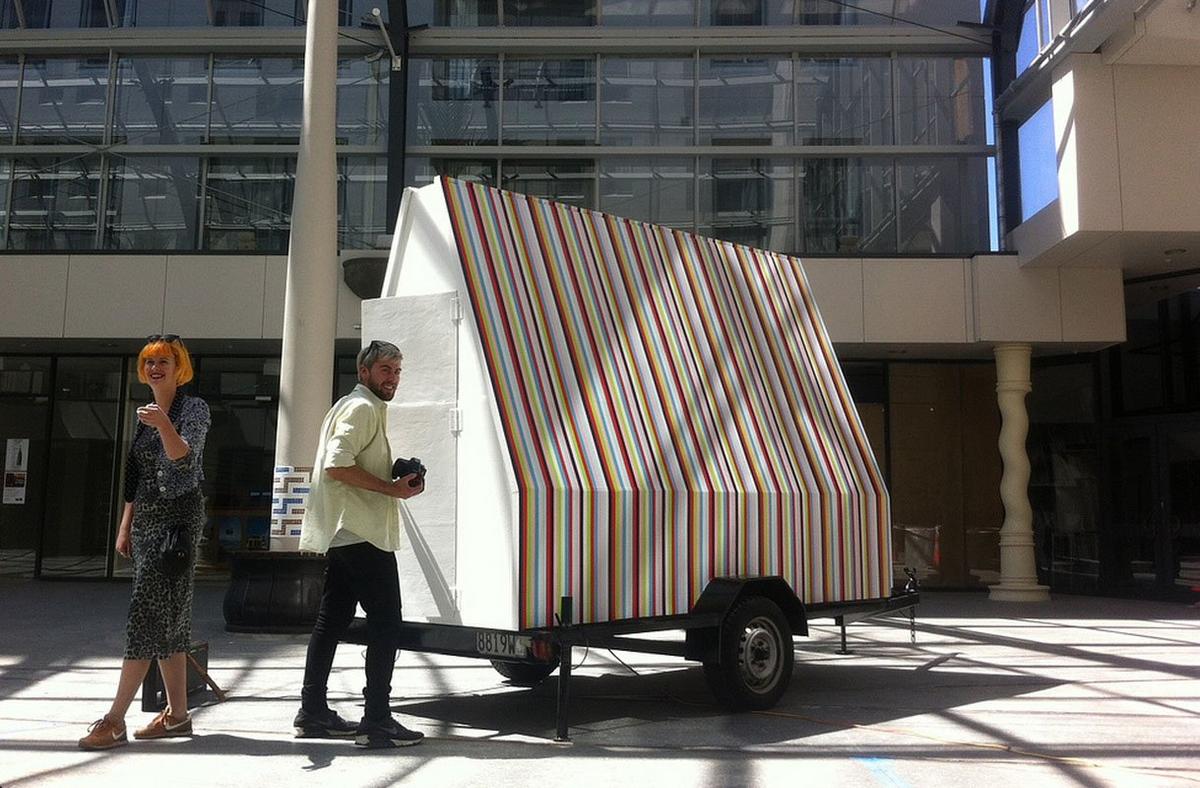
(841, 620)
(561, 733)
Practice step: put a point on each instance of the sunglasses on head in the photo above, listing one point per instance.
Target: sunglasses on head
(163, 338)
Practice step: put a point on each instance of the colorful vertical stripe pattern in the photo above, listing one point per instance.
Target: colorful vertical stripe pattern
(673, 412)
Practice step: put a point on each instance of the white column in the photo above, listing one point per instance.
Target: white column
(1018, 569)
(310, 306)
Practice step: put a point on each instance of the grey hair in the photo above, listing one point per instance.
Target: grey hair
(376, 350)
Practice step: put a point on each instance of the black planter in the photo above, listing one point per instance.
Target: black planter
(364, 275)
(273, 592)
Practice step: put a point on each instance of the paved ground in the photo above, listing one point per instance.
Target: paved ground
(1078, 691)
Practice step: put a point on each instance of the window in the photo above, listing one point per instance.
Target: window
(248, 204)
(63, 100)
(257, 100)
(1037, 32)
(937, 13)
(54, 203)
(645, 13)
(549, 102)
(844, 101)
(746, 99)
(566, 180)
(748, 201)
(659, 190)
(257, 13)
(153, 203)
(362, 101)
(353, 13)
(162, 13)
(553, 13)
(1038, 161)
(453, 13)
(65, 13)
(10, 80)
(848, 206)
(940, 101)
(747, 12)
(943, 205)
(453, 101)
(362, 201)
(8, 15)
(161, 100)
(5, 187)
(647, 102)
(420, 171)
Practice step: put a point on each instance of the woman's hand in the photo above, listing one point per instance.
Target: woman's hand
(153, 416)
(123, 542)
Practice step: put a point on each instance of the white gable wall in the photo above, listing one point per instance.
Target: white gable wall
(424, 262)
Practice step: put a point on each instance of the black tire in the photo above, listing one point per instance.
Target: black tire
(524, 674)
(755, 656)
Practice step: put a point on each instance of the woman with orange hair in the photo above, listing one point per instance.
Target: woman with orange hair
(162, 493)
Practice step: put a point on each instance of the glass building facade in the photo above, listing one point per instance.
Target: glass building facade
(835, 156)
(179, 153)
(161, 143)
(173, 148)
(167, 133)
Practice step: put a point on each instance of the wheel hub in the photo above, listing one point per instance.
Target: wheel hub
(758, 655)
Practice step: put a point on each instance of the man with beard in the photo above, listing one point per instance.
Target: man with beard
(352, 517)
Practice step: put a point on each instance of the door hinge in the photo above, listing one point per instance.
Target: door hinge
(455, 421)
(456, 309)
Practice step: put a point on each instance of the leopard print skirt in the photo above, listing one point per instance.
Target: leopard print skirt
(160, 610)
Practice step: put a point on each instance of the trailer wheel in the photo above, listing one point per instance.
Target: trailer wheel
(754, 662)
(524, 674)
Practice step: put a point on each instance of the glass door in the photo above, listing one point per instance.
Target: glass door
(24, 415)
(1155, 534)
(1137, 510)
(1181, 538)
(79, 526)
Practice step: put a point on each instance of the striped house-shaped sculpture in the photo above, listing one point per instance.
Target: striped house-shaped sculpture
(671, 409)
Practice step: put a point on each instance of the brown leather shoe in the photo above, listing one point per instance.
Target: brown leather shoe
(161, 727)
(103, 734)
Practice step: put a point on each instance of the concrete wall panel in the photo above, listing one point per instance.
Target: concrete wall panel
(1093, 305)
(35, 295)
(215, 296)
(1085, 130)
(908, 300)
(273, 298)
(837, 285)
(1158, 113)
(1014, 304)
(115, 295)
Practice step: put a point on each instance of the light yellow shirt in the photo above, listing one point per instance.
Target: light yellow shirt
(354, 433)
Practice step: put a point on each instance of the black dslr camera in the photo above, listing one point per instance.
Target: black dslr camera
(404, 466)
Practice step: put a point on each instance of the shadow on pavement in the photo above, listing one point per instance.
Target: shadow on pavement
(618, 708)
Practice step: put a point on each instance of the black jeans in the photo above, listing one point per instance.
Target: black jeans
(356, 574)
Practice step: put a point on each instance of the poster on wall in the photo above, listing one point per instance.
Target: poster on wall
(16, 467)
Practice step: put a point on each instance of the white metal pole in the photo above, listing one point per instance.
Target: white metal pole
(310, 305)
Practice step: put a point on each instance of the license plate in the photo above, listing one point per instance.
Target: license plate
(502, 644)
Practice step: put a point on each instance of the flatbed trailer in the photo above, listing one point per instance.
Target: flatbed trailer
(740, 630)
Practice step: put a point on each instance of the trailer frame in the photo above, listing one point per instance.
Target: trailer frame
(537, 652)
